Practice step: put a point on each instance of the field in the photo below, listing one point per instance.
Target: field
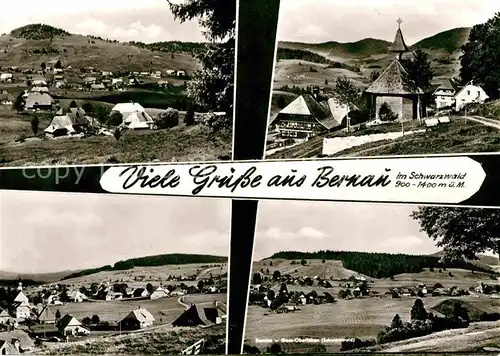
(362, 317)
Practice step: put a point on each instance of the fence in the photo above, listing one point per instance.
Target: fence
(194, 349)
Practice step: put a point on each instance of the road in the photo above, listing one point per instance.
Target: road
(483, 120)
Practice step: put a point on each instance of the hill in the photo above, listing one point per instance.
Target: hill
(378, 265)
(360, 49)
(28, 46)
(449, 41)
(38, 32)
(152, 261)
(477, 310)
(8, 277)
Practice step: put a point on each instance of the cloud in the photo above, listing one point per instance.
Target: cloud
(402, 244)
(277, 233)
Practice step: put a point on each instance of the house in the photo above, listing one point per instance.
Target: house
(140, 293)
(60, 84)
(6, 98)
(285, 308)
(6, 348)
(395, 88)
(163, 83)
(23, 311)
(204, 314)
(97, 87)
(46, 315)
(158, 293)
(38, 101)
(134, 116)
(137, 319)
(6, 77)
(68, 122)
(58, 77)
(69, 325)
(156, 74)
(21, 298)
(170, 71)
(107, 74)
(181, 73)
(90, 80)
(117, 81)
(444, 95)
(58, 70)
(39, 83)
(5, 316)
(469, 94)
(77, 296)
(143, 74)
(305, 117)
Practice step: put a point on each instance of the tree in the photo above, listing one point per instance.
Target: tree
(58, 65)
(303, 262)
(345, 91)
(73, 104)
(212, 87)
(34, 124)
(418, 311)
(201, 284)
(89, 109)
(95, 319)
(43, 65)
(326, 81)
(115, 119)
(257, 278)
(419, 69)
(386, 114)
(479, 61)
(86, 321)
(189, 118)
(18, 104)
(374, 76)
(58, 314)
(167, 119)
(276, 275)
(462, 233)
(396, 323)
(281, 102)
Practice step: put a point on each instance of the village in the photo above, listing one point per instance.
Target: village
(351, 114)
(61, 102)
(56, 313)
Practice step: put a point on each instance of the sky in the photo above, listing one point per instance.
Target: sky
(123, 20)
(53, 232)
(313, 226)
(315, 21)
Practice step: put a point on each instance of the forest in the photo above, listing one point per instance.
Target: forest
(381, 265)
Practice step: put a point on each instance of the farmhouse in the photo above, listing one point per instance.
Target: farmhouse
(6, 77)
(67, 122)
(90, 80)
(469, 94)
(5, 316)
(305, 117)
(158, 293)
(205, 314)
(23, 311)
(140, 293)
(6, 348)
(39, 90)
(444, 95)
(38, 101)
(46, 315)
(77, 296)
(97, 87)
(181, 73)
(107, 74)
(395, 88)
(69, 325)
(170, 72)
(285, 308)
(39, 83)
(137, 319)
(134, 116)
(6, 98)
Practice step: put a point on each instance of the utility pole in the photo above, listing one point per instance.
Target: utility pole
(348, 120)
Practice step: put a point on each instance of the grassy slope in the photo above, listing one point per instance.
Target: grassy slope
(101, 55)
(462, 137)
(160, 341)
(181, 143)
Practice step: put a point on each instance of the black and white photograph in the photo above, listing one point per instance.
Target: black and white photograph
(116, 81)
(344, 277)
(373, 78)
(96, 274)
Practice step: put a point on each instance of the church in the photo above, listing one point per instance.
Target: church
(395, 88)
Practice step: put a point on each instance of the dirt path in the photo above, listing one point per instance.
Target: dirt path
(483, 120)
(457, 340)
(180, 301)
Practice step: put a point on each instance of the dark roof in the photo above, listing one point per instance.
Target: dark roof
(399, 45)
(198, 314)
(394, 80)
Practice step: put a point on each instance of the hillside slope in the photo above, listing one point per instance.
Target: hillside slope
(449, 41)
(29, 46)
